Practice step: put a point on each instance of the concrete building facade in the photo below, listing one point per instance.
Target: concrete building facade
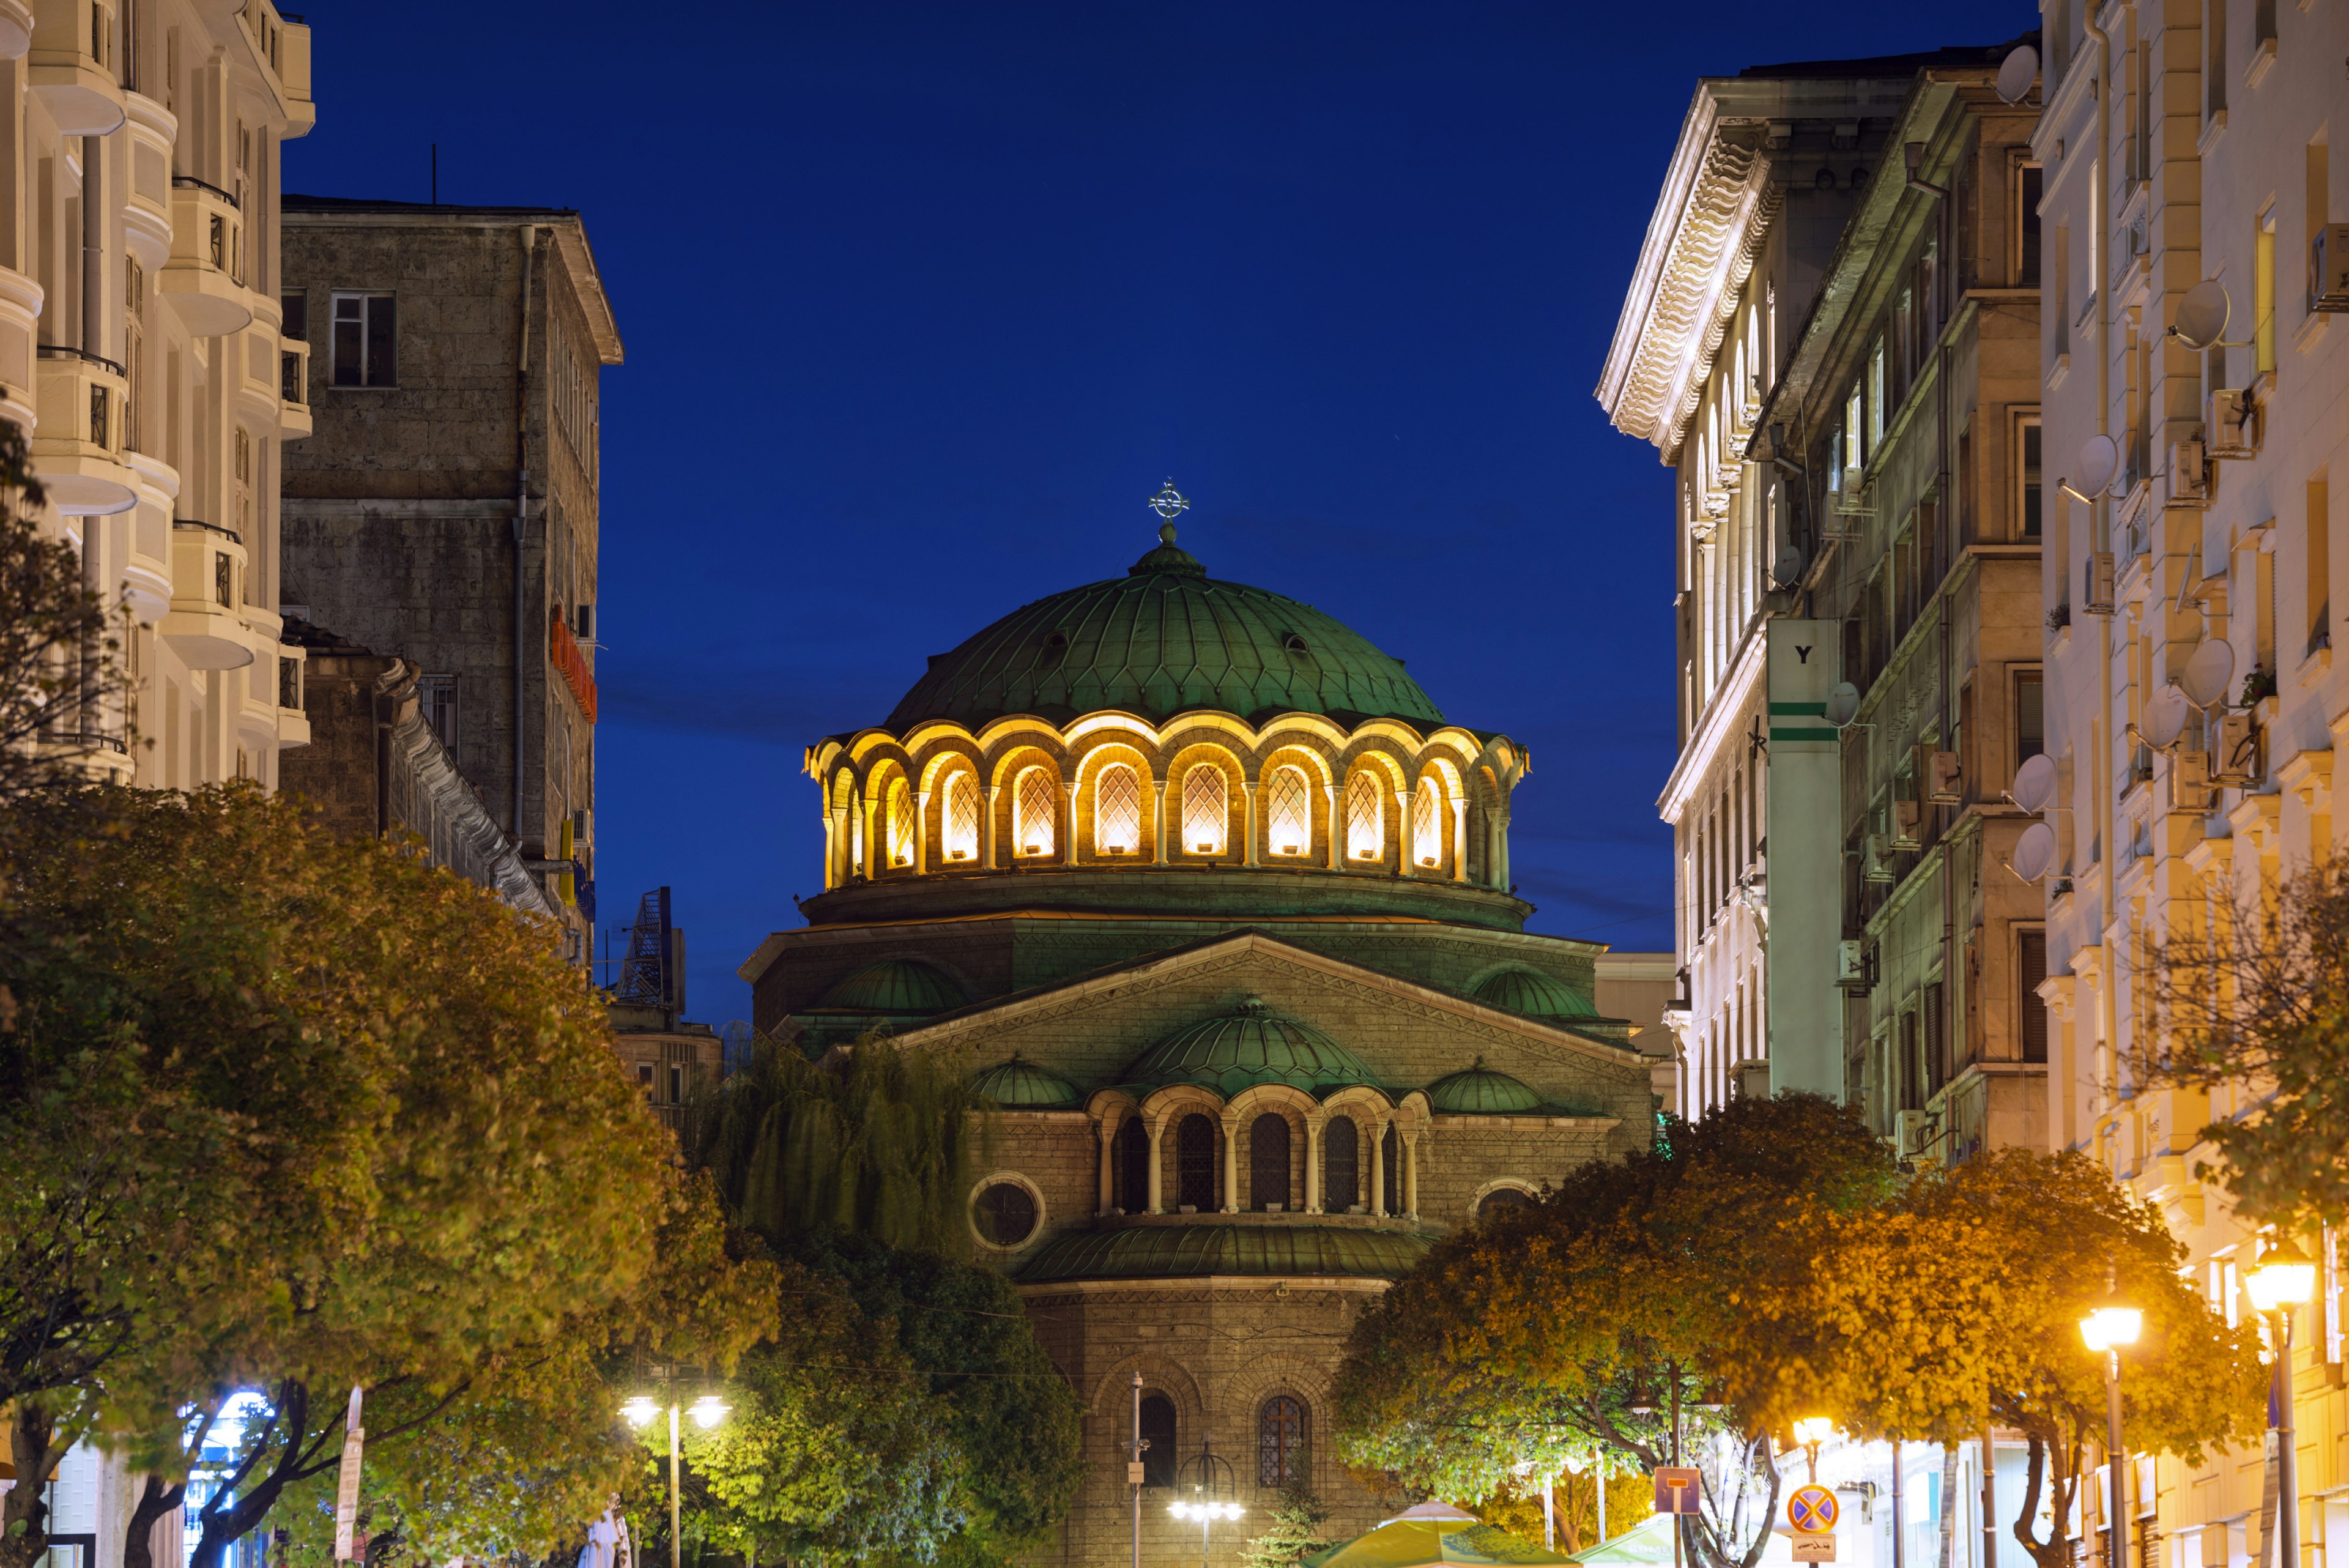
(446, 510)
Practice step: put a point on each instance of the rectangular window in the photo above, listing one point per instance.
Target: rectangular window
(2025, 460)
(2319, 179)
(436, 696)
(1938, 1065)
(1912, 1096)
(224, 580)
(2030, 717)
(289, 683)
(366, 341)
(2029, 186)
(675, 1084)
(2214, 59)
(2320, 565)
(294, 304)
(2264, 271)
(2031, 969)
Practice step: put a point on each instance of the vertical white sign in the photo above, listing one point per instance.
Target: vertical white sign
(347, 1485)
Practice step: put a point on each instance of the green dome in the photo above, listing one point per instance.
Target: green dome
(894, 985)
(1161, 641)
(1534, 994)
(1251, 1045)
(1479, 1091)
(1164, 1252)
(1023, 1086)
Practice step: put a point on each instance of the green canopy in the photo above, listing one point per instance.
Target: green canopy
(1430, 1533)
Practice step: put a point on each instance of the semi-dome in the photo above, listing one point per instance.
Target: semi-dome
(1249, 1045)
(894, 986)
(1164, 639)
(1534, 994)
(1479, 1091)
(1164, 1251)
(1017, 1085)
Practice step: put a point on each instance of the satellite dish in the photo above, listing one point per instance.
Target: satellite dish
(2165, 717)
(1787, 567)
(2034, 783)
(2202, 315)
(2016, 73)
(1843, 704)
(2100, 459)
(2208, 672)
(2034, 852)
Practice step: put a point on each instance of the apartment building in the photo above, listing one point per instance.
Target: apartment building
(141, 352)
(2196, 398)
(445, 513)
(1769, 170)
(1905, 426)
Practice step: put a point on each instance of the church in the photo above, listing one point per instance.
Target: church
(1216, 904)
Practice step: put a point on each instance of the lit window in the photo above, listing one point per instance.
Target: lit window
(1204, 814)
(1117, 811)
(856, 838)
(1427, 825)
(962, 817)
(1365, 829)
(1033, 813)
(901, 822)
(1289, 819)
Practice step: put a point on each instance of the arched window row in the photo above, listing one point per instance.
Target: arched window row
(1276, 1161)
(1284, 1428)
(1113, 805)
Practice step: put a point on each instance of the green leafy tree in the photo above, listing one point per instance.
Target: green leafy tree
(1293, 1532)
(1574, 1333)
(62, 685)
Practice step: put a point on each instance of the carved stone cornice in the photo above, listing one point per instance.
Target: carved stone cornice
(1716, 206)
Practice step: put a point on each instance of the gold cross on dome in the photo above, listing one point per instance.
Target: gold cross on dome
(1169, 501)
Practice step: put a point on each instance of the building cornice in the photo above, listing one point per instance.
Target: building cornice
(1729, 701)
(1717, 205)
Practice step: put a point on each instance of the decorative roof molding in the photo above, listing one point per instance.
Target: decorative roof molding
(1716, 206)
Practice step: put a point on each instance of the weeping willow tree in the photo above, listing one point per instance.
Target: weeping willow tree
(874, 1139)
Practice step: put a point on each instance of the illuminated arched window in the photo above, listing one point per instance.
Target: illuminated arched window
(1427, 824)
(1205, 815)
(1365, 824)
(901, 822)
(1117, 811)
(855, 837)
(1033, 803)
(961, 834)
(1288, 815)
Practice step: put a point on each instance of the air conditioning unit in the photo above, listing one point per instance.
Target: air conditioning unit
(2227, 432)
(2097, 596)
(1915, 1132)
(1878, 867)
(1948, 779)
(2188, 481)
(2328, 268)
(2189, 780)
(1905, 817)
(1851, 963)
(2238, 757)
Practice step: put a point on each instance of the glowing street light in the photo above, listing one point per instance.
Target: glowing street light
(707, 1412)
(2107, 1329)
(1214, 1490)
(1811, 1431)
(2282, 1282)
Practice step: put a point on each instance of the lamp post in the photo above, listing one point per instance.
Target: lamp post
(1811, 1431)
(707, 1412)
(2107, 1329)
(2280, 1283)
(1214, 1493)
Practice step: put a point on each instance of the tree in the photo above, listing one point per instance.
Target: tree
(1292, 1533)
(1575, 1333)
(411, 1160)
(61, 682)
(2254, 1001)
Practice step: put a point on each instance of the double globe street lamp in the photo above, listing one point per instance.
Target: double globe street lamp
(707, 1412)
(2107, 1329)
(2280, 1284)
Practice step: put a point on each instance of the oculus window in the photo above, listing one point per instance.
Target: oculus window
(1006, 1213)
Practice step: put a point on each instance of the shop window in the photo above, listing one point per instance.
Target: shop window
(1206, 817)
(1281, 1442)
(1117, 811)
(1268, 1162)
(1365, 824)
(1289, 816)
(1035, 804)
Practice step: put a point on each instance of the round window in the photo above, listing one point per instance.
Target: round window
(1006, 1213)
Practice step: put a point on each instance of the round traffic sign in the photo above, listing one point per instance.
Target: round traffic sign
(1811, 1511)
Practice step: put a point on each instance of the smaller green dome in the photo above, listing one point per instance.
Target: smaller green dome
(1536, 994)
(896, 986)
(1479, 1091)
(1248, 1046)
(1023, 1086)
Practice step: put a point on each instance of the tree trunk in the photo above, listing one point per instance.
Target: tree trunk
(32, 1449)
(1949, 1501)
(225, 1522)
(1569, 1520)
(2055, 1552)
(155, 1502)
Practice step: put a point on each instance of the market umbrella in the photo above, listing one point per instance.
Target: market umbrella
(1430, 1533)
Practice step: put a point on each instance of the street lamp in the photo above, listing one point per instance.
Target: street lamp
(1811, 1431)
(2282, 1282)
(2107, 1329)
(707, 1412)
(1214, 1490)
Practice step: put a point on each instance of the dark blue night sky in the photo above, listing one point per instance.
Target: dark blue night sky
(922, 303)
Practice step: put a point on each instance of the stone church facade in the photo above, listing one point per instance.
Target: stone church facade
(1214, 903)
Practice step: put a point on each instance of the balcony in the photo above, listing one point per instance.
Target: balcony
(203, 280)
(293, 388)
(203, 627)
(77, 443)
(70, 67)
